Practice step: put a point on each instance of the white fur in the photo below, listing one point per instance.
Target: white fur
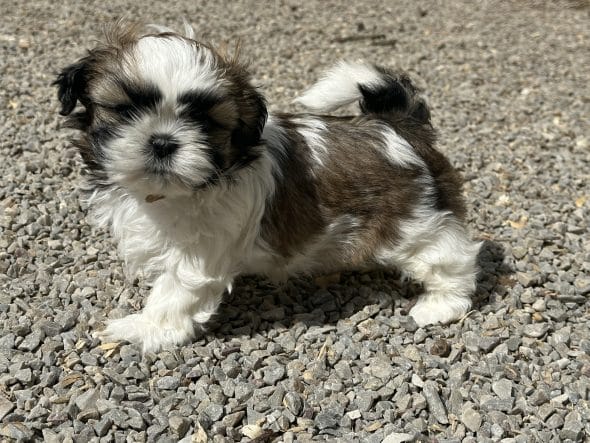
(176, 65)
(126, 156)
(190, 247)
(340, 86)
(189, 31)
(435, 250)
(312, 130)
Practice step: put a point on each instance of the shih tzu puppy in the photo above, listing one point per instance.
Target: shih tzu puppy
(199, 183)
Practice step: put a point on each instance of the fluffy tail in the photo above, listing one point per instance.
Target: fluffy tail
(376, 89)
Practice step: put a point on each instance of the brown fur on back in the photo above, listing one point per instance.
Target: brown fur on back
(355, 180)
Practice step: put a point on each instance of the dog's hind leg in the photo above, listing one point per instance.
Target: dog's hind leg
(437, 252)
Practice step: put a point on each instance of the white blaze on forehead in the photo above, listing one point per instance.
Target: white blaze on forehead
(174, 65)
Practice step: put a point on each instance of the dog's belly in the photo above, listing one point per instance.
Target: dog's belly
(332, 251)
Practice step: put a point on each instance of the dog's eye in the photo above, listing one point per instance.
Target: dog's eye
(203, 119)
(126, 111)
(197, 104)
(199, 115)
(196, 113)
(143, 97)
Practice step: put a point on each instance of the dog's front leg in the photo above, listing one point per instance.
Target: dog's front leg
(170, 314)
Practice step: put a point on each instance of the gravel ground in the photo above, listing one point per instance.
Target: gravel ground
(338, 361)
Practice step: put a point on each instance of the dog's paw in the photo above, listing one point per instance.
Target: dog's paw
(150, 335)
(432, 309)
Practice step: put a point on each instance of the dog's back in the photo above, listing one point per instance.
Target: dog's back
(390, 97)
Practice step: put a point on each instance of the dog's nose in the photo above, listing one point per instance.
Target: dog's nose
(162, 145)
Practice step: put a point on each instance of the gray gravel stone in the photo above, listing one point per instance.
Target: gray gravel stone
(103, 426)
(573, 427)
(487, 344)
(398, 437)
(7, 341)
(25, 376)
(273, 374)
(471, 340)
(135, 419)
(243, 392)
(545, 410)
(471, 419)
(555, 421)
(232, 420)
(582, 285)
(179, 425)
(502, 388)
(435, 405)
(16, 431)
(536, 330)
(491, 403)
(408, 324)
(365, 400)
(455, 402)
(380, 368)
(231, 368)
(419, 402)
(31, 341)
(293, 403)
(417, 381)
(168, 382)
(539, 397)
(497, 431)
(327, 419)
(87, 399)
(214, 411)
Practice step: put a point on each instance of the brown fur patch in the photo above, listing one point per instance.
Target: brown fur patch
(355, 180)
(293, 217)
(358, 180)
(448, 182)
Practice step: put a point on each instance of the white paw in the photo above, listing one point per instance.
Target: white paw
(431, 309)
(152, 336)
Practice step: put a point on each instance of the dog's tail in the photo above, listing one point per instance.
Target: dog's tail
(377, 90)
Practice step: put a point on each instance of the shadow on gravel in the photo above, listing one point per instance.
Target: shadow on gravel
(494, 275)
(256, 305)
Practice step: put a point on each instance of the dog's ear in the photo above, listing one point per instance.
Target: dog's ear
(252, 118)
(71, 86)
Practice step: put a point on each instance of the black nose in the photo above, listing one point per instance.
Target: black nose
(162, 145)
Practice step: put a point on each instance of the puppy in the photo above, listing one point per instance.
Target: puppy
(199, 183)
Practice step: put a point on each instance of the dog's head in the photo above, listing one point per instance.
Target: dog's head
(161, 113)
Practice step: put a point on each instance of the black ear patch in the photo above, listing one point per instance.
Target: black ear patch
(71, 86)
(251, 123)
